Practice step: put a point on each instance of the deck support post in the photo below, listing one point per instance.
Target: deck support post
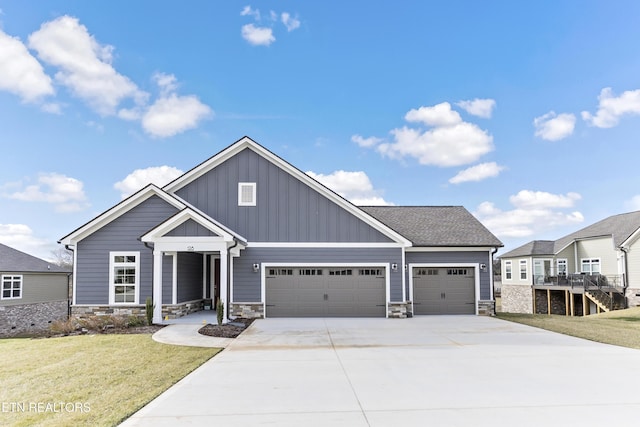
(548, 301)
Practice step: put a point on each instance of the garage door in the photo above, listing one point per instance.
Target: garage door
(444, 290)
(325, 292)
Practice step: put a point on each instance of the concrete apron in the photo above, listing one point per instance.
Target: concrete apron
(428, 370)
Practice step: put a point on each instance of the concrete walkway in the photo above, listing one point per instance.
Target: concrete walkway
(429, 370)
(184, 331)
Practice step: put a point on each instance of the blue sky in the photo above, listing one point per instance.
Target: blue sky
(527, 114)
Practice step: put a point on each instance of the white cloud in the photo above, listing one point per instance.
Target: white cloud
(477, 173)
(554, 127)
(449, 141)
(20, 73)
(456, 145)
(527, 199)
(65, 193)
(612, 108)
(170, 114)
(258, 36)
(478, 107)
(534, 212)
(22, 238)
(248, 11)
(289, 22)
(84, 65)
(353, 186)
(166, 82)
(174, 114)
(366, 142)
(438, 115)
(139, 178)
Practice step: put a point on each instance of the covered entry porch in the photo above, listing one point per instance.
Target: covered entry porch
(192, 258)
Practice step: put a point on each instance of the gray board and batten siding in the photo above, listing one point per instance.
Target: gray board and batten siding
(287, 210)
(121, 234)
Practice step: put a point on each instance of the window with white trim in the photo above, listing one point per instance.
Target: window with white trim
(590, 265)
(124, 277)
(246, 194)
(523, 269)
(562, 267)
(11, 287)
(508, 270)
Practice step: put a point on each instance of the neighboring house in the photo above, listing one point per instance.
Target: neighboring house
(594, 269)
(33, 293)
(249, 229)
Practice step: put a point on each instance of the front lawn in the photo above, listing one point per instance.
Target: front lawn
(620, 327)
(92, 380)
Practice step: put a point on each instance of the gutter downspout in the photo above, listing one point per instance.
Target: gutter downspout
(625, 267)
(228, 284)
(491, 275)
(72, 275)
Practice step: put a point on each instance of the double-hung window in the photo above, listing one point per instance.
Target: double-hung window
(11, 287)
(507, 270)
(523, 269)
(562, 267)
(124, 277)
(590, 265)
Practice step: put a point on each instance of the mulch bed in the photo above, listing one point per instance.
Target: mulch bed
(228, 330)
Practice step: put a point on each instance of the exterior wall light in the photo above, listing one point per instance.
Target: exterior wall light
(256, 267)
(394, 266)
(483, 267)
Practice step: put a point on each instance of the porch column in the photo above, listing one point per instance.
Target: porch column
(224, 266)
(157, 286)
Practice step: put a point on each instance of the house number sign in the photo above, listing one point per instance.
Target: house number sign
(190, 248)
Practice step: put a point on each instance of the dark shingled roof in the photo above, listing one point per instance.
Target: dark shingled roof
(535, 247)
(620, 227)
(12, 260)
(434, 225)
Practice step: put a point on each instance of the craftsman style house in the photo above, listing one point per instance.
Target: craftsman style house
(594, 269)
(250, 230)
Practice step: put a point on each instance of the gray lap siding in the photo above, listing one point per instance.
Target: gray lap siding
(480, 257)
(247, 283)
(92, 269)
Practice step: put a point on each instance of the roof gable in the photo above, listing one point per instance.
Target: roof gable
(13, 260)
(620, 227)
(179, 186)
(170, 227)
(118, 210)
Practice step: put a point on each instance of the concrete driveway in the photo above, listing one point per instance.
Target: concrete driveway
(429, 370)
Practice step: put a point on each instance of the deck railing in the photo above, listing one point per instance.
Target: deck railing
(603, 282)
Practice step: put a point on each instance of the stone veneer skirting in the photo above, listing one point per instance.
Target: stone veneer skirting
(486, 308)
(633, 297)
(172, 311)
(247, 310)
(517, 299)
(399, 310)
(26, 319)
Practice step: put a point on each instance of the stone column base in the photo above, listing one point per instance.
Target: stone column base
(247, 310)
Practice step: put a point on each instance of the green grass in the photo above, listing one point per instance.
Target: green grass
(106, 378)
(621, 327)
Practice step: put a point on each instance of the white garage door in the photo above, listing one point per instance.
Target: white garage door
(325, 292)
(440, 290)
